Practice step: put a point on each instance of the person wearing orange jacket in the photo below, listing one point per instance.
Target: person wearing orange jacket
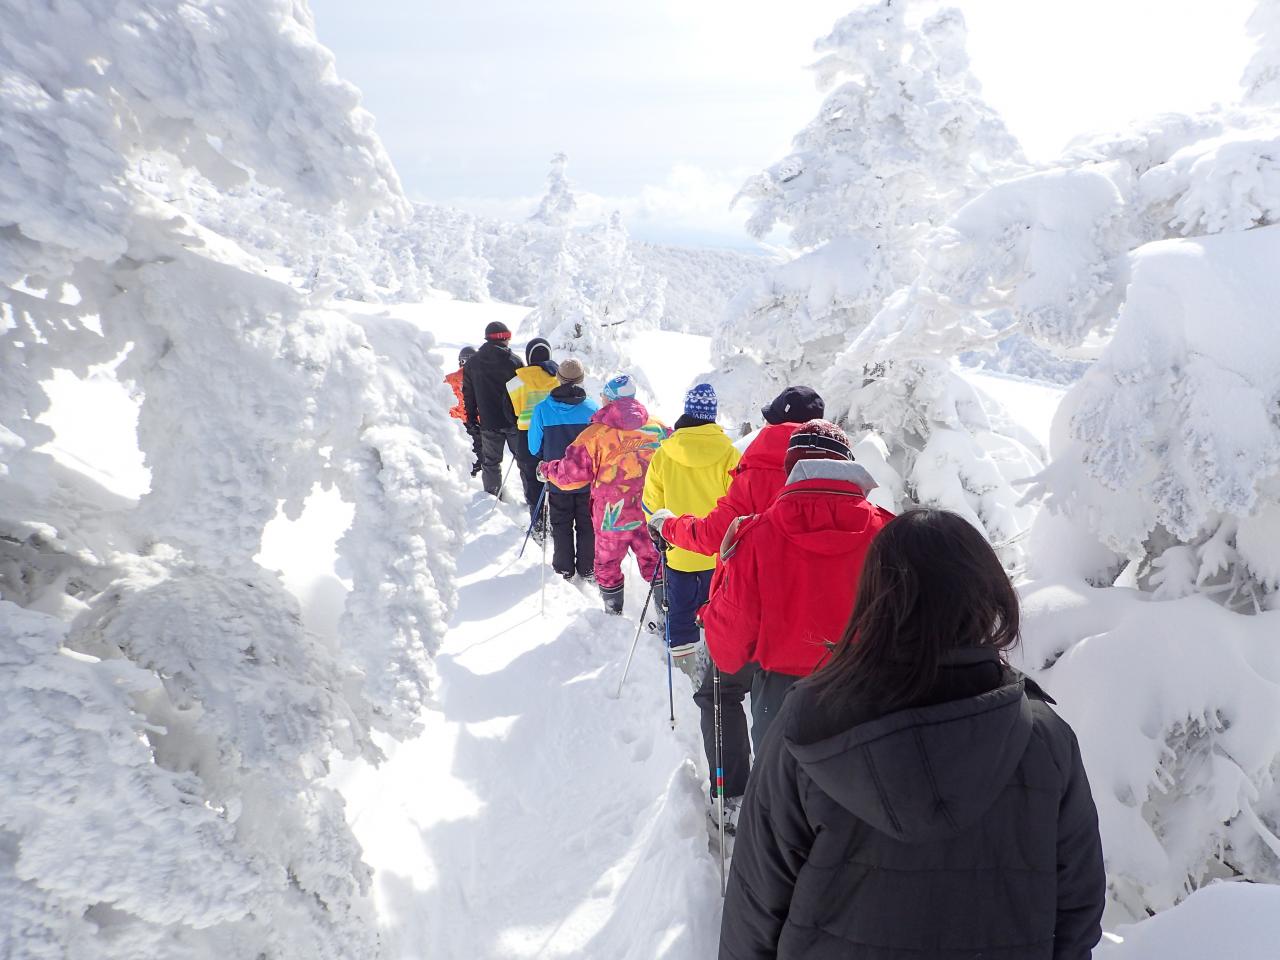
(783, 591)
(459, 410)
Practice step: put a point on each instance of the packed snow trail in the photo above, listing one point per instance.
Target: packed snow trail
(536, 816)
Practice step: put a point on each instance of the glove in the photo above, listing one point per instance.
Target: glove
(656, 520)
(540, 471)
(691, 659)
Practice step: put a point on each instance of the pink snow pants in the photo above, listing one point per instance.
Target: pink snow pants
(612, 546)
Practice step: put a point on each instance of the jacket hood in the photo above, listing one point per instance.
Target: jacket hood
(826, 516)
(569, 394)
(769, 449)
(698, 446)
(546, 366)
(924, 773)
(845, 470)
(625, 413)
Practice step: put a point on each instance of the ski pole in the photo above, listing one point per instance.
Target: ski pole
(537, 512)
(634, 643)
(666, 619)
(502, 486)
(715, 687)
(543, 514)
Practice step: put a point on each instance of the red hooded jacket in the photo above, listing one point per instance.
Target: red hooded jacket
(756, 481)
(787, 577)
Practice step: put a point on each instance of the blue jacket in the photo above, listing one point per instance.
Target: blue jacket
(558, 420)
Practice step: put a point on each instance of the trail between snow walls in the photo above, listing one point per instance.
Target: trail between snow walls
(536, 816)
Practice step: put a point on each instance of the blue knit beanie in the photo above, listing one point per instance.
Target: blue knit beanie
(619, 387)
(700, 403)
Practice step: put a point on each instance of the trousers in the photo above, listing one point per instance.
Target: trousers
(686, 593)
(573, 535)
(612, 546)
(516, 440)
(767, 692)
(733, 722)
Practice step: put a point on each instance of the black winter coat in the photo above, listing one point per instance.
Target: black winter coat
(959, 828)
(484, 387)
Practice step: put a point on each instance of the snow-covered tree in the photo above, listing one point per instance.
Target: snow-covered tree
(590, 293)
(1262, 76)
(901, 140)
(1164, 485)
(558, 204)
(169, 720)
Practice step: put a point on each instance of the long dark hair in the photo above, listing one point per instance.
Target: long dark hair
(931, 583)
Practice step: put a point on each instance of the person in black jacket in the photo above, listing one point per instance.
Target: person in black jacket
(916, 797)
(488, 404)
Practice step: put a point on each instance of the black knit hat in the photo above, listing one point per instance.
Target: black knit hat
(534, 347)
(816, 440)
(795, 405)
(497, 330)
(465, 354)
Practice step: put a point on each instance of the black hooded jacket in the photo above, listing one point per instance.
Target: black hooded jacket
(962, 827)
(484, 387)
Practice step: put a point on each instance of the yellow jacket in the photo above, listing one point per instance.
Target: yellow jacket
(528, 388)
(688, 474)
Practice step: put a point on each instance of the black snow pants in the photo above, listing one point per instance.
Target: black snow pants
(573, 535)
(477, 452)
(767, 692)
(517, 441)
(733, 722)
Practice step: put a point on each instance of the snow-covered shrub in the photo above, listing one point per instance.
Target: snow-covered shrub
(1230, 182)
(901, 140)
(1173, 450)
(1166, 469)
(1177, 707)
(162, 782)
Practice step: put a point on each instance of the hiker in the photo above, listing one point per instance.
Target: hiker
(556, 422)
(756, 480)
(459, 410)
(784, 587)
(917, 797)
(691, 472)
(488, 405)
(531, 385)
(612, 455)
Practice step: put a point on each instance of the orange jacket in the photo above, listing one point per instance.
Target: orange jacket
(457, 411)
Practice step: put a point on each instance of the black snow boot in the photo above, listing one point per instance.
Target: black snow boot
(612, 597)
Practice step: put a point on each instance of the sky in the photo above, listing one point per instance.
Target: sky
(664, 107)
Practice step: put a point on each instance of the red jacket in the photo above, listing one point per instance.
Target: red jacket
(786, 580)
(756, 481)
